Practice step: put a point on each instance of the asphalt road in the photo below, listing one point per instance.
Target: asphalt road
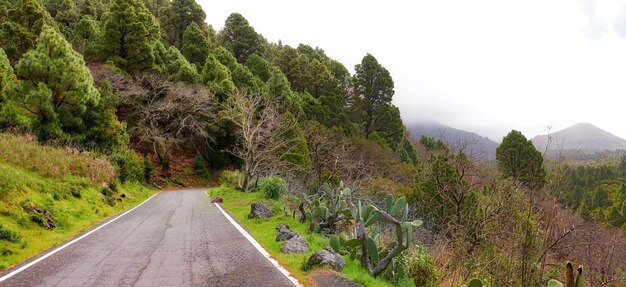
(177, 238)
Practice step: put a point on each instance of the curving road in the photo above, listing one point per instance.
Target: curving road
(177, 238)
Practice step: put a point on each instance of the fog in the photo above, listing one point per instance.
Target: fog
(484, 66)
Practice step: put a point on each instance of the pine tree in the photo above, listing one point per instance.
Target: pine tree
(217, 77)
(129, 33)
(260, 67)
(86, 35)
(279, 91)
(21, 22)
(55, 86)
(373, 92)
(195, 46)
(518, 158)
(6, 72)
(226, 58)
(178, 16)
(240, 38)
(179, 68)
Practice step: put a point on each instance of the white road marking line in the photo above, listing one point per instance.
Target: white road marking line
(259, 247)
(5, 277)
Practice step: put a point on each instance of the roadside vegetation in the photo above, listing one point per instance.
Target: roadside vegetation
(60, 194)
(102, 100)
(264, 231)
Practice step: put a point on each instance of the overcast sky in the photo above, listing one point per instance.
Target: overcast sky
(483, 66)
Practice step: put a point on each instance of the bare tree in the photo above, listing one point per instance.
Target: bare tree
(165, 114)
(265, 138)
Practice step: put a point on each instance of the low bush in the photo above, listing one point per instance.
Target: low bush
(418, 265)
(200, 166)
(231, 178)
(272, 187)
(8, 235)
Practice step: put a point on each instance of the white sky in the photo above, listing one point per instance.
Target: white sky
(483, 66)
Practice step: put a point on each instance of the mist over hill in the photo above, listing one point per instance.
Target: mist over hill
(581, 138)
(473, 144)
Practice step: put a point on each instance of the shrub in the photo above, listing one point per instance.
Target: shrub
(231, 178)
(200, 166)
(148, 169)
(129, 165)
(418, 265)
(8, 235)
(273, 187)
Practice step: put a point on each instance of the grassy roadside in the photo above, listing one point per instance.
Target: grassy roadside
(50, 194)
(71, 215)
(238, 203)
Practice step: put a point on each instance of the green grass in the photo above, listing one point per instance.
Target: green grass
(237, 203)
(62, 181)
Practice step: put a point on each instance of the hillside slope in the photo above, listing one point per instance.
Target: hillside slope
(583, 138)
(473, 144)
(49, 194)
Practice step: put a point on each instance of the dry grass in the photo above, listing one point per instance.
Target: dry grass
(54, 162)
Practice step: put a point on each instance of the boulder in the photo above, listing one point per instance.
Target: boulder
(284, 233)
(217, 199)
(326, 257)
(296, 244)
(259, 210)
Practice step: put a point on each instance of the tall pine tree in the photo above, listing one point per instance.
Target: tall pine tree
(129, 33)
(373, 92)
(195, 46)
(55, 87)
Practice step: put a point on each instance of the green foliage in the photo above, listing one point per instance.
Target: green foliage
(6, 73)
(217, 77)
(240, 38)
(475, 282)
(244, 80)
(195, 46)
(373, 92)
(272, 187)
(129, 33)
(21, 22)
(433, 145)
(518, 158)
(279, 90)
(406, 151)
(225, 57)
(200, 166)
(327, 210)
(65, 13)
(8, 235)
(231, 178)
(374, 255)
(129, 166)
(179, 68)
(55, 88)
(179, 15)
(86, 36)
(554, 283)
(596, 192)
(259, 67)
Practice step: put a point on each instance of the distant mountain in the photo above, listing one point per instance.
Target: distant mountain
(473, 144)
(582, 138)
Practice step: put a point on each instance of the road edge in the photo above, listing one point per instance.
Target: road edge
(257, 245)
(55, 250)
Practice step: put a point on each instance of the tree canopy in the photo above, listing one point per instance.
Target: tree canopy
(518, 158)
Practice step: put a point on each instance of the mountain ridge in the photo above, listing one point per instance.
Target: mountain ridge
(584, 138)
(472, 143)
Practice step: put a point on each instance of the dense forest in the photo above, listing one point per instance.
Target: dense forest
(170, 101)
